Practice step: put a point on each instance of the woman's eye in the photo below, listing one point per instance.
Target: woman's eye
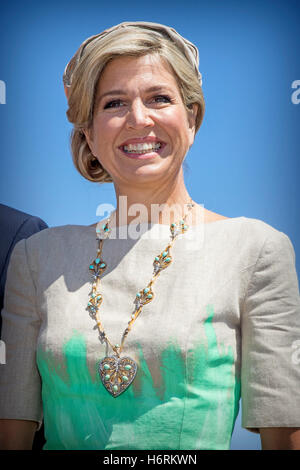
(162, 99)
(113, 104)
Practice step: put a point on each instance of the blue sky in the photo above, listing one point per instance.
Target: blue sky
(245, 159)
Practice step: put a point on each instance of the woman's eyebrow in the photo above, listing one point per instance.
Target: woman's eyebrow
(112, 92)
(109, 93)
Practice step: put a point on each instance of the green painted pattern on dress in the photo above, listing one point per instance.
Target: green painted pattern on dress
(194, 407)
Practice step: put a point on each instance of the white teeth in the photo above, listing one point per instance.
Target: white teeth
(142, 148)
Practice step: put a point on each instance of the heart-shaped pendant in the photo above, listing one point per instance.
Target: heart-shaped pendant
(117, 373)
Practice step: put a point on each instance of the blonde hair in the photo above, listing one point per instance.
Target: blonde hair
(87, 66)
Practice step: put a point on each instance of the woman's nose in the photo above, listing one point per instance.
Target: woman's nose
(139, 116)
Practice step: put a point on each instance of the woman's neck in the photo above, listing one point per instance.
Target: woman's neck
(160, 210)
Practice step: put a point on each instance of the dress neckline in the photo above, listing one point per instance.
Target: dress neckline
(165, 226)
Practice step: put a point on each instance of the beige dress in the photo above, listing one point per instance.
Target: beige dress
(223, 325)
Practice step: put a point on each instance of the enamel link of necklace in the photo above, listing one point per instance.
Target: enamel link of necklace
(117, 373)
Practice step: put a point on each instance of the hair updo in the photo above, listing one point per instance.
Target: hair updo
(86, 68)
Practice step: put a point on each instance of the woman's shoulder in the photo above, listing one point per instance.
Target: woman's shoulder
(246, 236)
(258, 229)
(250, 226)
(245, 227)
(256, 238)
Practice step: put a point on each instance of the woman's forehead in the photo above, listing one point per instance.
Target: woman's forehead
(147, 69)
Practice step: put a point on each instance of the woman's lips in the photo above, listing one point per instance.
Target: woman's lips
(137, 148)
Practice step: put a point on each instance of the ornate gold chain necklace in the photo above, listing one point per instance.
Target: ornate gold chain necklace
(117, 373)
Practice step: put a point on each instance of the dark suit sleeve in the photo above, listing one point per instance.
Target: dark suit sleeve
(29, 227)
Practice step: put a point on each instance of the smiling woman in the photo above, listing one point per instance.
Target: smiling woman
(176, 59)
(165, 365)
(147, 132)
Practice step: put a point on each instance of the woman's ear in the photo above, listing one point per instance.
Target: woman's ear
(192, 116)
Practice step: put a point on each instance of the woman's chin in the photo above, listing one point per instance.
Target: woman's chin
(145, 173)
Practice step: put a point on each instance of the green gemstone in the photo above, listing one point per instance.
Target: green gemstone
(91, 266)
(138, 295)
(115, 388)
(107, 377)
(149, 296)
(97, 260)
(90, 304)
(124, 378)
(128, 367)
(165, 253)
(93, 296)
(156, 258)
(99, 297)
(146, 290)
(168, 259)
(106, 367)
(172, 225)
